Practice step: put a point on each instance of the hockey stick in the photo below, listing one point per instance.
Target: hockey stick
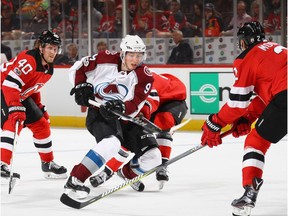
(12, 180)
(176, 127)
(67, 200)
(143, 122)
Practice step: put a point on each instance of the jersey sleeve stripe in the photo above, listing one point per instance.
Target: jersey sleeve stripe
(12, 84)
(242, 90)
(237, 104)
(239, 97)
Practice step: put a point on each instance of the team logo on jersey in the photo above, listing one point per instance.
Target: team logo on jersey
(147, 71)
(17, 71)
(30, 91)
(110, 91)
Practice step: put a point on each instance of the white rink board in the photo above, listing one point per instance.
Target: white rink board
(55, 94)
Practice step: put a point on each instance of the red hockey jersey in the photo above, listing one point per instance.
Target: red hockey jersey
(166, 87)
(23, 76)
(261, 69)
(103, 70)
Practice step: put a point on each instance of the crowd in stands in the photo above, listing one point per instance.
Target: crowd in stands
(26, 19)
(147, 18)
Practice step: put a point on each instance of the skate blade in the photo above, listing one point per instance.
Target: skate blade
(245, 211)
(50, 175)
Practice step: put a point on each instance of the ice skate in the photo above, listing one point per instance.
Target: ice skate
(100, 178)
(138, 186)
(5, 172)
(53, 171)
(75, 188)
(162, 177)
(243, 205)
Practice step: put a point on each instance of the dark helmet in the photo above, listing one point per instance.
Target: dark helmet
(251, 32)
(48, 37)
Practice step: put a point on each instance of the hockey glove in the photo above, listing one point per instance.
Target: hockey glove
(116, 105)
(211, 131)
(241, 127)
(83, 92)
(16, 112)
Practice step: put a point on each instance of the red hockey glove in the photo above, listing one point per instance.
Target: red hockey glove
(16, 112)
(211, 131)
(44, 111)
(241, 127)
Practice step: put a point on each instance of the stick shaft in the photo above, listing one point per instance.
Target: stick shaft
(12, 179)
(65, 199)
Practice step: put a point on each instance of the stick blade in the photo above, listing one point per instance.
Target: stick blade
(65, 199)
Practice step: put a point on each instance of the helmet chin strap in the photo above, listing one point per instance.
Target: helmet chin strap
(41, 54)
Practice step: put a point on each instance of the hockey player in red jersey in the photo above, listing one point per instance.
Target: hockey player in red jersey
(260, 68)
(119, 81)
(166, 107)
(21, 80)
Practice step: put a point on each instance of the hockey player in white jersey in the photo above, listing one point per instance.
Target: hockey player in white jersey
(121, 82)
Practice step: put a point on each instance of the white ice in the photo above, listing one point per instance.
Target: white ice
(201, 184)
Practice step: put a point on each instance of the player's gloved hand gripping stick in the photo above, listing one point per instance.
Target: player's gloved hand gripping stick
(142, 121)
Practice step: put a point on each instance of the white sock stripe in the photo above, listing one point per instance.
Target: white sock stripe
(253, 163)
(42, 141)
(164, 142)
(6, 146)
(8, 134)
(249, 149)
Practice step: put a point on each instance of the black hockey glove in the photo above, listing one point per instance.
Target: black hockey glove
(116, 105)
(83, 92)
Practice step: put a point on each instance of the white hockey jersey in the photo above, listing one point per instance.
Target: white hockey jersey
(103, 70)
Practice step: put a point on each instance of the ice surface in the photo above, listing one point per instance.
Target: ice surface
(201, 184)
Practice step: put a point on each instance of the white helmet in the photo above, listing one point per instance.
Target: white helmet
(132, 43)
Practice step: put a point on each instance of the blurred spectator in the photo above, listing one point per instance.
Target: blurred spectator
(225, 8)
(194, 23)
(9, 21)
(101, 45)
(118, 22)
(176, 18)
(132, 8)
(70, 57)
(7, 51)
(72, 53)
(213, 21)
(255, 11)
(96, 17)
(242, 17)
(39, 22)
(162, 26)
(143, 19)
(163, 5)
(106, 27)
(69, 24)
(273, 25)
(182, 52)
(56, 15)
